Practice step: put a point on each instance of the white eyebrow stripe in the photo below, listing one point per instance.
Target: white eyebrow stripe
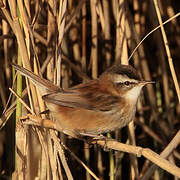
(123, 78)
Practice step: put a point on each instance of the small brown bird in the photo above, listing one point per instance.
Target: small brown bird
(98, 106)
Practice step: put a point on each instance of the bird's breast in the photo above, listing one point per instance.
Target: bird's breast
(92, 122)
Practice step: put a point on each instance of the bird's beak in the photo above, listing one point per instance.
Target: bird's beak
(143, 83)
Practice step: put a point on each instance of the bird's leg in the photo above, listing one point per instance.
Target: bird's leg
(94, 136)
(101, 138)
(45, 112)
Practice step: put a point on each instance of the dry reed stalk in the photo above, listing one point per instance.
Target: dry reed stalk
(60, 151)
(84, 58)
(141, 59)
(51, 37)
(2, 90)
(61, 27)
(75, 45)
(94, 35)
(5, 31)
(99, 12)
(149, 154)
(123, 55)
(138, 28)
(148, 130)
(20, 132)
(133, 159)
(159, 26)
(170, 60)
(94, 46)
(121, 41)
(44, 163)
(76, 69)
(22, 46)
(83, 67)
(87, 159)
(171, 146)
(107, 35)
(163, 69)
(74, 156)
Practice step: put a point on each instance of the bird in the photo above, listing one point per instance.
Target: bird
(92, 108)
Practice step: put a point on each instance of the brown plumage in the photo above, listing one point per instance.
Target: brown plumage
(95, 107)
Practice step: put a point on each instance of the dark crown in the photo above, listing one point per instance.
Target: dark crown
(127, 70)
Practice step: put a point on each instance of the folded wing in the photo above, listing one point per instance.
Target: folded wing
(87, 96)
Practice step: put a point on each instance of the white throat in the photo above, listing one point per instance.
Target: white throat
(133, 94)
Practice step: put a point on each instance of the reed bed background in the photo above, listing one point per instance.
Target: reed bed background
(72, 41)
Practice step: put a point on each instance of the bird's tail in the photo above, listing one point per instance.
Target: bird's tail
(44, 86)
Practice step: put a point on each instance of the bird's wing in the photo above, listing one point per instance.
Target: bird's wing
(86, 96)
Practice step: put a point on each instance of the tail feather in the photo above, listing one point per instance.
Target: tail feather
(43, 85)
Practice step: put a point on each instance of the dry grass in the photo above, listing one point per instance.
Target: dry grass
(69, 42)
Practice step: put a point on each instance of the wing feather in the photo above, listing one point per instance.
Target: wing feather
(86, 96)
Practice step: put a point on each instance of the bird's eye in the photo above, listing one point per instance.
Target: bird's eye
(127, 83)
